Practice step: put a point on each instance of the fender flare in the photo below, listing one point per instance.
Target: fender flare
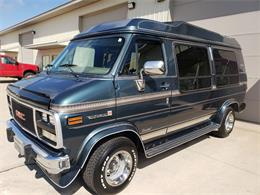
(218, 118)
(89, 144)
(28, 70)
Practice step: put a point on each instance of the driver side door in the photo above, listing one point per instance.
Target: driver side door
(148, 110)
(9, 67)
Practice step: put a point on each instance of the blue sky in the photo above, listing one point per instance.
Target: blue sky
(14, 11)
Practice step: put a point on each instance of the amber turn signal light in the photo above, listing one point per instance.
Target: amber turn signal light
(75, 120)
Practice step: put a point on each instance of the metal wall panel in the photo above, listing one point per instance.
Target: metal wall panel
(26, 55)
(112, 14)
(151, 9)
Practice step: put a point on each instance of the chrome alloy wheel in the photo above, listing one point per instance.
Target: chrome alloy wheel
(229, 122)
(118, 168)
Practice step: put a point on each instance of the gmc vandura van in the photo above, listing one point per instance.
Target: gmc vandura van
(124, 90)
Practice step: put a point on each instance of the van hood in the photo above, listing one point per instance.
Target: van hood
(60, 89)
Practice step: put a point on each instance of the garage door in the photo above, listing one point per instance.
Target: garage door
(238, 19)
(115, 13)
(26, 54)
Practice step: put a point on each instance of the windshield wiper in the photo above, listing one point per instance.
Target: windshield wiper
(69, 67)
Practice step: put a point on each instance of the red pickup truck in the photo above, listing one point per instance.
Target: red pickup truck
(9, 67)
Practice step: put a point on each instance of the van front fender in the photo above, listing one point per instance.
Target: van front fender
(91, 142)
(102, 133)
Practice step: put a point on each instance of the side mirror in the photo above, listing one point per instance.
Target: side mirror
(48, 66)
(16, 63)
(150, 68)
(154, 68)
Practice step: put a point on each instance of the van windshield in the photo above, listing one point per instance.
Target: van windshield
(93, 56)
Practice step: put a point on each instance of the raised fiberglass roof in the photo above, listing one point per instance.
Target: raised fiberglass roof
(178, 29)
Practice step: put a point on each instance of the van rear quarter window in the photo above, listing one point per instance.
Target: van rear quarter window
(240, 61)
(193, 66)
(227, 72)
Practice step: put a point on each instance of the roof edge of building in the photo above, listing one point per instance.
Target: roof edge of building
(58, 10)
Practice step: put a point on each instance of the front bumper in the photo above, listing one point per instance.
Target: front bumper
(34, 153)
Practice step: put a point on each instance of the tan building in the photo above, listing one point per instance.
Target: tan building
(40, 39)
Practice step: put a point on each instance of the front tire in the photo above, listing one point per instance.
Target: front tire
(111, 167)
(227, 124)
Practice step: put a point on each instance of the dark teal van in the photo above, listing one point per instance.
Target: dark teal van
(124, 91)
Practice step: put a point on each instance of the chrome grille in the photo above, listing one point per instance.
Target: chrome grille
(24, 116)
(27, 115)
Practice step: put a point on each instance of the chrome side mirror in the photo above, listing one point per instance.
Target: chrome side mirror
(154, 68)
(150, 68)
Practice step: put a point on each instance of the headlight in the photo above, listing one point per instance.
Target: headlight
(51, 120)
(48, 135)
(48, 118)
(46, 127)
(45, 117)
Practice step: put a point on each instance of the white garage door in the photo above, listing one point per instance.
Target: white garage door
(115, 13)
(26, 54)
(238, 19)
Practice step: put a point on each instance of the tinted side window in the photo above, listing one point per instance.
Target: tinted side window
(240, 61)
(193, 66)
(226, 67)
(141, 52)
(6, 60)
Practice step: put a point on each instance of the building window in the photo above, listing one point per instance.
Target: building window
(53, 57)
(193, 66)
(141, 52)
(226, 67)
(45, 61)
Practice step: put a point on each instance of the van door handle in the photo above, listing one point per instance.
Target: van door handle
(165, 86)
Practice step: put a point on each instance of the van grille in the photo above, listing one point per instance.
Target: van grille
(24, 116)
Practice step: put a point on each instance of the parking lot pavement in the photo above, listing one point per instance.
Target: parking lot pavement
(204, 166)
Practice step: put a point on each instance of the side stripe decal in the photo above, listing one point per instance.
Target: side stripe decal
(102, 104)
(95, 105)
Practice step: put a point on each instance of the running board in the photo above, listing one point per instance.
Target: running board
(177, 139)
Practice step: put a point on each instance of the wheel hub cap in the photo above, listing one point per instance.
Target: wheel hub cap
(229, 122)
(118, 168)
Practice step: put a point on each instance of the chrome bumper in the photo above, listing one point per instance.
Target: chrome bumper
(34, 153)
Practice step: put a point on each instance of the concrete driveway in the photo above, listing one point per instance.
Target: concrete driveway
(204, 166)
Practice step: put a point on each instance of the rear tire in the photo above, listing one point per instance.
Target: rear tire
(227, 124)
(28, 74)
(111, 167)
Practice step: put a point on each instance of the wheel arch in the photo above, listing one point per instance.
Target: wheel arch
(93, 140)
(234, 104)
(27, 71)
(128, 133)
(101, 136)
